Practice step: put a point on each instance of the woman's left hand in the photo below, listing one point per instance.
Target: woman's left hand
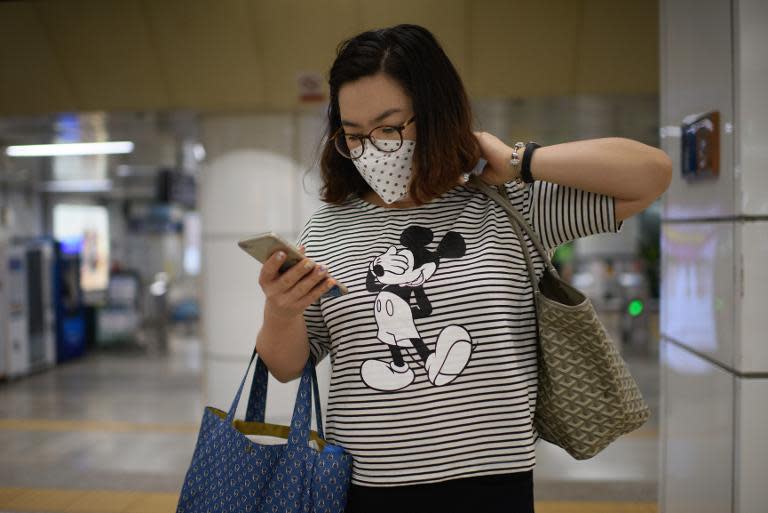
(498, 170)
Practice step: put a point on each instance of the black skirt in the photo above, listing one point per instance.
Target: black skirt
(502, 493)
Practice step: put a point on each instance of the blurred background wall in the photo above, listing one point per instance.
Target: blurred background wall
(232, 94)
(224, 102)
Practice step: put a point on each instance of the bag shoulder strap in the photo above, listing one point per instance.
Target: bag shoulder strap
(518, 221)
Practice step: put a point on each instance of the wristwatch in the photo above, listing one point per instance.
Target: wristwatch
(525, 168)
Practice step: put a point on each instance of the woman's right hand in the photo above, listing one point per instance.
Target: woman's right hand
(292, 291)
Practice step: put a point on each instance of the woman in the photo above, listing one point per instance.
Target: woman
(433, 351)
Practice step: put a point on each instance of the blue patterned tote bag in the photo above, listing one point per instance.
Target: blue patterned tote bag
(230, 472)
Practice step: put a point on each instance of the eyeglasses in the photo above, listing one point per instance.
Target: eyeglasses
(385, 138)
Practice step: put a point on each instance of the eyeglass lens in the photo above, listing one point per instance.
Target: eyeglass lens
(384, 138)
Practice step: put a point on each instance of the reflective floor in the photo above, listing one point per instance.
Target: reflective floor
(114, 432)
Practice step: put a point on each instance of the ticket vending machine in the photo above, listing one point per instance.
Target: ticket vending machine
(68, 301)
(4, 332)
(14, 339)
(3, 309)
(40, 307)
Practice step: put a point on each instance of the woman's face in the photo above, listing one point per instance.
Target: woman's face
(374, 101)
(371, 102)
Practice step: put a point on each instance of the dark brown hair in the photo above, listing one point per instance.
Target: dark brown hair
(445, 146)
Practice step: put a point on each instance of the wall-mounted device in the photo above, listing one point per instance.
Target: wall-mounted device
(700, 151)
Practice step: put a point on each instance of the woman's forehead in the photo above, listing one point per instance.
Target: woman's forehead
(372, 99)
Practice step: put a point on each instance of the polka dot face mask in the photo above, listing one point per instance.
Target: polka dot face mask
(388, 173)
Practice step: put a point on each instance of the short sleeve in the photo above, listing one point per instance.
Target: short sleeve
(559, 214)
(317, 332)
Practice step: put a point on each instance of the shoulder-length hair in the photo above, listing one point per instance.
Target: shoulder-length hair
(445, 147)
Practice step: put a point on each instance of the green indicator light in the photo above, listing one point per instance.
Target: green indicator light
(635, 307)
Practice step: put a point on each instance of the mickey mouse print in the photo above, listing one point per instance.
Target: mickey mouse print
(397, 276)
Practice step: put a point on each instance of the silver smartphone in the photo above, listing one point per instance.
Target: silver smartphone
(263, 246)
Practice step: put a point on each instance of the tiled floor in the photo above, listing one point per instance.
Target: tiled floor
(115, 431)
(112, 421)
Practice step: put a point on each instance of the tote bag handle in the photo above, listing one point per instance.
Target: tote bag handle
(300, 421)
(257, 399)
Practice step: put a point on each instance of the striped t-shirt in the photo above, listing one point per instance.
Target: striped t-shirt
(433, 351)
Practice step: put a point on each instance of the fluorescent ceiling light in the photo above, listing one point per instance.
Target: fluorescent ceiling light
(55, 150)
(77, 186)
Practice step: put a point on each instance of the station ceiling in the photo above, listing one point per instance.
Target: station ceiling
(235, 55)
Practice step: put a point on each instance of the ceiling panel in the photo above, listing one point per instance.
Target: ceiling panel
(31, 78)
(299, 37)
(446, 19)
(619, 49)
(105, 49)
(208, 52)
(230, 55)
(521, 48)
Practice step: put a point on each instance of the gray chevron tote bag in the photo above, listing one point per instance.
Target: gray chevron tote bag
(586, 396)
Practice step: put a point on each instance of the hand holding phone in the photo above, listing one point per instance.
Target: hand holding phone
(292, 279)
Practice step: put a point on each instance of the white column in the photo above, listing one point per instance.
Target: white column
(250, 183)
(714, 359)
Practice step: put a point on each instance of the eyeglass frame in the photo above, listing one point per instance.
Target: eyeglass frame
(363, 138)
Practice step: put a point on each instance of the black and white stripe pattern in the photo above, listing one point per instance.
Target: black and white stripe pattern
(480, 423)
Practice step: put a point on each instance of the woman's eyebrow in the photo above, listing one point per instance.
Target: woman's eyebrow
(378, 118)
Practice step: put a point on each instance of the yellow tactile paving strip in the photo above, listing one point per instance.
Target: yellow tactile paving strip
(104, 501)
(115, 426)
(595, 507)
(111, 426)
(85, 501)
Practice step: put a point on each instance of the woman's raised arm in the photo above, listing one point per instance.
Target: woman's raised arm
(634, 173)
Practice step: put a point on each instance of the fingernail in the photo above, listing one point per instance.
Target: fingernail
(309, 265)
(321, 269)
(280, 255)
